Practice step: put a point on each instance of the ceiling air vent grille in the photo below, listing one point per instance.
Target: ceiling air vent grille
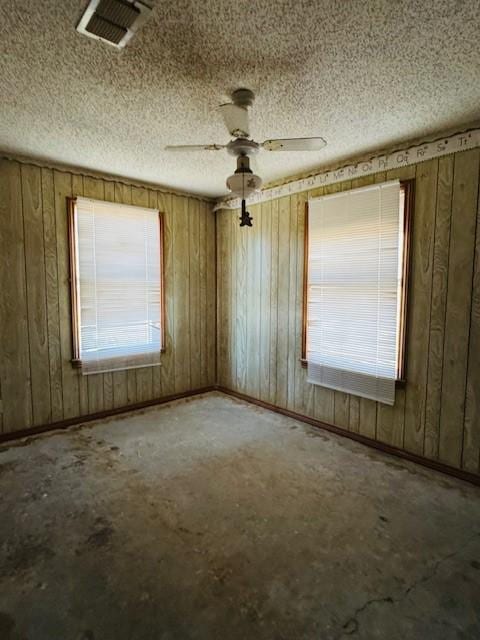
(113, 21)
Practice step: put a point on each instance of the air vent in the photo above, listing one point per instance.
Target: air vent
(113, 21)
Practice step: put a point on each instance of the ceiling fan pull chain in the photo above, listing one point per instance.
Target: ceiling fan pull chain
(246, 218)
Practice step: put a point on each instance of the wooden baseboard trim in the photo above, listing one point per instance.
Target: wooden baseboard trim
(380, 446)
(65, 424)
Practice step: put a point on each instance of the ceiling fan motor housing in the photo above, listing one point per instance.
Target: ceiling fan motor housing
(242, 147)
(243, 97)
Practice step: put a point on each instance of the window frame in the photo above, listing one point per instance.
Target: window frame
(408, 188)
(73, 279)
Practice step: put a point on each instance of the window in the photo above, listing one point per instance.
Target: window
(355, 289)
(116, 285)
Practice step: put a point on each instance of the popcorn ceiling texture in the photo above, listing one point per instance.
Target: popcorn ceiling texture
(364, 75)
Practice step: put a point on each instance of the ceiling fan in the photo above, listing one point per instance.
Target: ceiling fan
(235, 115)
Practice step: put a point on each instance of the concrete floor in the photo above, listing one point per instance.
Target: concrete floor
(213, 519)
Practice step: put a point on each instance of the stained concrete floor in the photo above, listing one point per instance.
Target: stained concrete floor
(214, 519)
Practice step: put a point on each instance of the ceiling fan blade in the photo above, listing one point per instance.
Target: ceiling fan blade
(236, 120)
(195, 147)
(294, 144)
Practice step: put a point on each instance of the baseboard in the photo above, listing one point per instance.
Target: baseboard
(70, 422)
(369, 442)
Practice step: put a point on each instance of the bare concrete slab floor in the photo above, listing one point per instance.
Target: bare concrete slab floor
(211, 518)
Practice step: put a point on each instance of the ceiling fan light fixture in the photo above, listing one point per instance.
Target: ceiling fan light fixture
(244, 184)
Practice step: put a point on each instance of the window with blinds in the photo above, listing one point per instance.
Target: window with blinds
(355, 290)
(117, 292)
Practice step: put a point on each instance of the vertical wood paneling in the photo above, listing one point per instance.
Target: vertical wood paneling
(36, 293)
(38, 383)
(438, 306)
(273, 304)
(232, 310)
(51, 283)
(211, 292)
(265, 309)
(194, 291)
(283, 301)
(181, 272)
(457, 325)
(442, 326)
(167, 368)
(292, 351)
(202, 291)
(299, 203)
(259, 317)
(419, 304)
(223, 298)
(471, 438)
(156, 391)
(14, 344)
(253, 283)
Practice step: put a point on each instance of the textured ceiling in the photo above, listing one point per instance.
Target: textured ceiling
(362, 74)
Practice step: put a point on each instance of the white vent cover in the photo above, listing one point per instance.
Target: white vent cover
(113, 21)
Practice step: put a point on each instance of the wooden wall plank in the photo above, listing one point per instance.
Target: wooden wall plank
(265, 291)
(211, 262)
(253, 284)
(14, 349)
(292, 347)
(156, 391)
(202, 312)
(223, 303)
(36, 293)
(274, 302)
(471, 437)
(419, 304)
(181, 301)
(438, 306)
(167, 368)
(283, 299)
(232, 310)
(457, 325)
(239, 283)
(299, 202)
(194, 292)
(51, 283)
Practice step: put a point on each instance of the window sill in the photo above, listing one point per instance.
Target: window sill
(77, 363)
(399, 384)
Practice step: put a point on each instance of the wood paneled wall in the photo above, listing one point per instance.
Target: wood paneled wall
(260, 279)
(38, 384)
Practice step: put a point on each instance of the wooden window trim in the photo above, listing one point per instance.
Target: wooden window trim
(408, 187)
(74, 297)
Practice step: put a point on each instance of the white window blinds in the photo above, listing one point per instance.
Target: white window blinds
(355, 253)
(118, 285)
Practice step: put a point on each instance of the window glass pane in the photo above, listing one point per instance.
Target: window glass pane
(354, 279)
(119, 285)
